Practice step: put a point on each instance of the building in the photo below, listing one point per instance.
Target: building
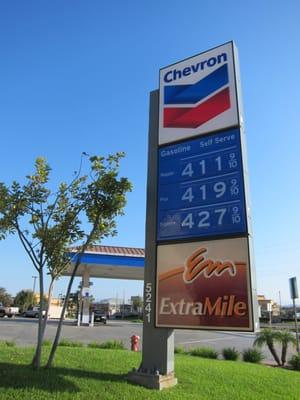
(107, 306)
(267, 305)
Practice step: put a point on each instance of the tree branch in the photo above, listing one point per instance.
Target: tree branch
(28, 248)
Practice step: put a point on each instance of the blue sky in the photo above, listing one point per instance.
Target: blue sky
(76, 76)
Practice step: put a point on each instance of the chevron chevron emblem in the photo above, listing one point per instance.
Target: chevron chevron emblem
(198, 103)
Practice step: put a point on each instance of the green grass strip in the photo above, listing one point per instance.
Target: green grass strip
(88, 373)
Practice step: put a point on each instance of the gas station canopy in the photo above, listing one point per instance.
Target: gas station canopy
(110, 262)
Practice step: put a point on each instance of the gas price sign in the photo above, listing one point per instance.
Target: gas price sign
(201, 189)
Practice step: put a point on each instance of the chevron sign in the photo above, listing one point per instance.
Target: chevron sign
(198, 95)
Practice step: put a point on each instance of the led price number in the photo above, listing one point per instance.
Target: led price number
(205, 219)
(210, 165)
(212, 191)
(148, 301)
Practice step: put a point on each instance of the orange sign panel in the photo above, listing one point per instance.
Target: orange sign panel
(204, 285)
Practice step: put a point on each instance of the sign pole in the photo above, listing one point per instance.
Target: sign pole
(295, 295)
(157, 368)
(296, 325)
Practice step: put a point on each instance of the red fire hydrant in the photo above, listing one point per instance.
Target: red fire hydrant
(135, 342)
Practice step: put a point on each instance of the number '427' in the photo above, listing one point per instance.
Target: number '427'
(203, 218)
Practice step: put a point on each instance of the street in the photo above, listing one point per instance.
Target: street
(24, 332)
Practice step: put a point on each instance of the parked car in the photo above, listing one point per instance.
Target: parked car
(126, 315)
(8, 311)
(33, 312)
(99, 317)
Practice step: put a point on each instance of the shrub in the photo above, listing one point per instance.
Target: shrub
(252, 355)
(295, 362)
(47, 342)
(110, 344)
(179, 350)
(230, 353)
(94, 345)
(8, 343)
(205, 352)
(70, 343)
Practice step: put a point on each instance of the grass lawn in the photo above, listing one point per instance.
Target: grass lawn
(86, 373)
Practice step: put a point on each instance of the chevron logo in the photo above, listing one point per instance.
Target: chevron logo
(205, 100)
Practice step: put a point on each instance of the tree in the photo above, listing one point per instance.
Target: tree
(286, 338)
(5, 298)
(24, 300)
(137, 303)
(49, 222)
(268, 337)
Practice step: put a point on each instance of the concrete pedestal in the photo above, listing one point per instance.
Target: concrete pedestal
(151, 381)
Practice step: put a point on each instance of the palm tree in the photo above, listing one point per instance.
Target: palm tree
(285, 337)
(268, 337)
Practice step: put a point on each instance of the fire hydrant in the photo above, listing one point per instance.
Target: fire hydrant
(135, 342)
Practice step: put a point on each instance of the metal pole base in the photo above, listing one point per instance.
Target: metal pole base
(152, 381)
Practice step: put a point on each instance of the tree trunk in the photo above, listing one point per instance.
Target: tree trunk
(36, 361)
(274, 353)
(59, 327)
(283, 353)
(58, 332)
(44, 320)
(50, 291)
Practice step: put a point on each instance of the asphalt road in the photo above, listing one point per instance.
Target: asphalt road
(24, 332)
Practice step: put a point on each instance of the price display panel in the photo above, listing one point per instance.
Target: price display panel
(201, 188)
